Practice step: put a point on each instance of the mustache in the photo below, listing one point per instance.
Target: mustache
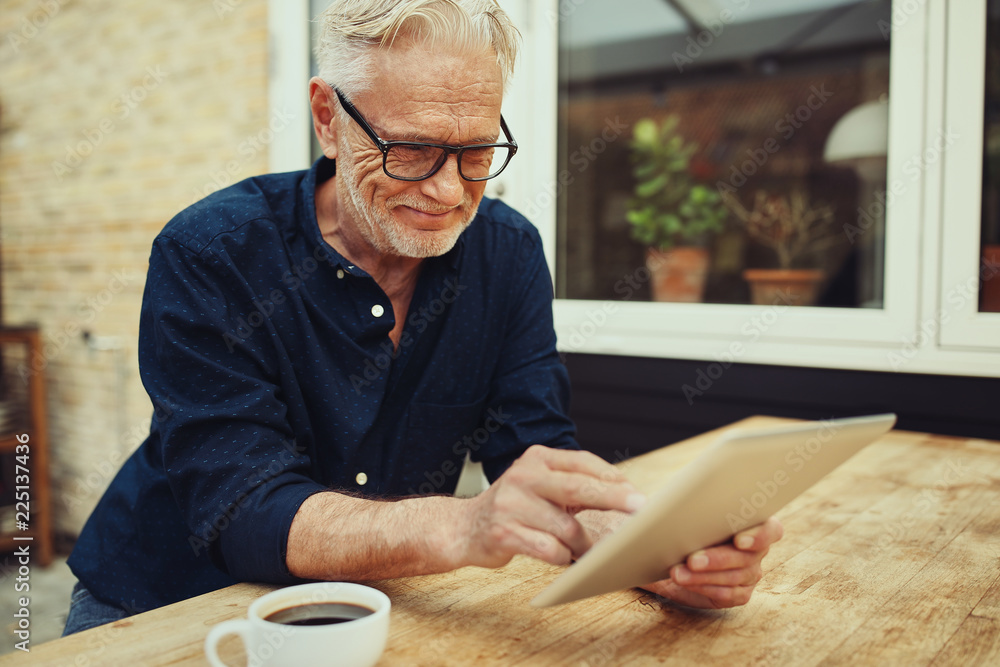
(425, 205)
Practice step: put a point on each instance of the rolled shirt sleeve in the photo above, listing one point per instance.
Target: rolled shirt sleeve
(230, 457)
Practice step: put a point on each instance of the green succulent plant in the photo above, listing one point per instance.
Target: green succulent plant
(668, 207)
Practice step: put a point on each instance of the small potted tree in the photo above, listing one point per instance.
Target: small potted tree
(670, 213)
(798, 232)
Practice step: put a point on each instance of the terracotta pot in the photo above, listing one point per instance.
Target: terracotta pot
(678, 274)
(793, 287)
(990, 302)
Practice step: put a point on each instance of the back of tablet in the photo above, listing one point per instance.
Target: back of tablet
(735, 483)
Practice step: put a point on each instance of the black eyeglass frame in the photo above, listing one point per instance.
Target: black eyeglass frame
(384, 146)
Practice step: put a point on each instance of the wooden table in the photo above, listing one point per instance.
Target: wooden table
(892, 559)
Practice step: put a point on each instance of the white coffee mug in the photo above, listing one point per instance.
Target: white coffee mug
(354, 643)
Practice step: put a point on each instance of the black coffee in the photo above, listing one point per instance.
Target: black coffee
(320, 613)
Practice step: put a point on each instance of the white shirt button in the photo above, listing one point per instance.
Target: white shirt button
(378, 310)
(361, 479)
(340, 273)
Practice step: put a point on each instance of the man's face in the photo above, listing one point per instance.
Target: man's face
(417, 95)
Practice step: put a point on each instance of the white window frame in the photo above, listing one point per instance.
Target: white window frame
(771, 334)
(962, 325)
(896, 338)
(892, 339)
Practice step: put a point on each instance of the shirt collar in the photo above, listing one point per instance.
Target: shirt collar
(323, 170)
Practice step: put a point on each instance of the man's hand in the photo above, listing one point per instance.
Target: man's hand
(721, 576)
(531, 509)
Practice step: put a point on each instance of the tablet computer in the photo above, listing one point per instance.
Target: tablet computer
(736, 482)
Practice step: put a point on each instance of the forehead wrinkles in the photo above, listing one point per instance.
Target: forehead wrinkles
(455, 123)
(435, 94)
(445, 122)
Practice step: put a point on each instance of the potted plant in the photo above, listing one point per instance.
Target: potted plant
(670, 213)
(797, 231)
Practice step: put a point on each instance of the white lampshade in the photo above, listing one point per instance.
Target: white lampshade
(861, 137)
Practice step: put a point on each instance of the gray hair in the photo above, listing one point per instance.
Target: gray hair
(351, 30)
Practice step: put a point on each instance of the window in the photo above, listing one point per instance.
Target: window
(989, 294)
(917, 198)
(755, 135)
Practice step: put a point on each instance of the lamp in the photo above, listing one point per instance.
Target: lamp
(861, 139)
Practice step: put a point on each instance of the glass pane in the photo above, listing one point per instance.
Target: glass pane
(750, 137)
(989, 300)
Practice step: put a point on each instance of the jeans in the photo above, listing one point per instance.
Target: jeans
(86, 611)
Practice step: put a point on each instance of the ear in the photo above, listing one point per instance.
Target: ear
(322, 101)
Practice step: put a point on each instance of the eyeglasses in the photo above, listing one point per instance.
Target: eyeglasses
(418, 160)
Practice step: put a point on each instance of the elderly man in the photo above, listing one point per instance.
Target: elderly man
(325, 348)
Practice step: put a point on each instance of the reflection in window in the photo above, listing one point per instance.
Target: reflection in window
(990, 269)
(750, 136)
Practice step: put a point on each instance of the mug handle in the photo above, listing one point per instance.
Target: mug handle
(239, 626)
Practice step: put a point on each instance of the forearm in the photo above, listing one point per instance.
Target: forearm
(338, 537)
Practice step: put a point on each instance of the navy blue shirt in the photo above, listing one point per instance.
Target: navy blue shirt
(267, 357)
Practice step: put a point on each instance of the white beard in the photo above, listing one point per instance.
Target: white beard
(386, 235)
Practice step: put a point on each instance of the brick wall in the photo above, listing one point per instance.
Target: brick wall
(114, 115)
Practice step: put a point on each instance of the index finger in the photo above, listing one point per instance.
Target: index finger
(582, 480)
(575, 491)
(579, 461)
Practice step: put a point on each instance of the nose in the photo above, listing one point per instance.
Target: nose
(447, 186)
